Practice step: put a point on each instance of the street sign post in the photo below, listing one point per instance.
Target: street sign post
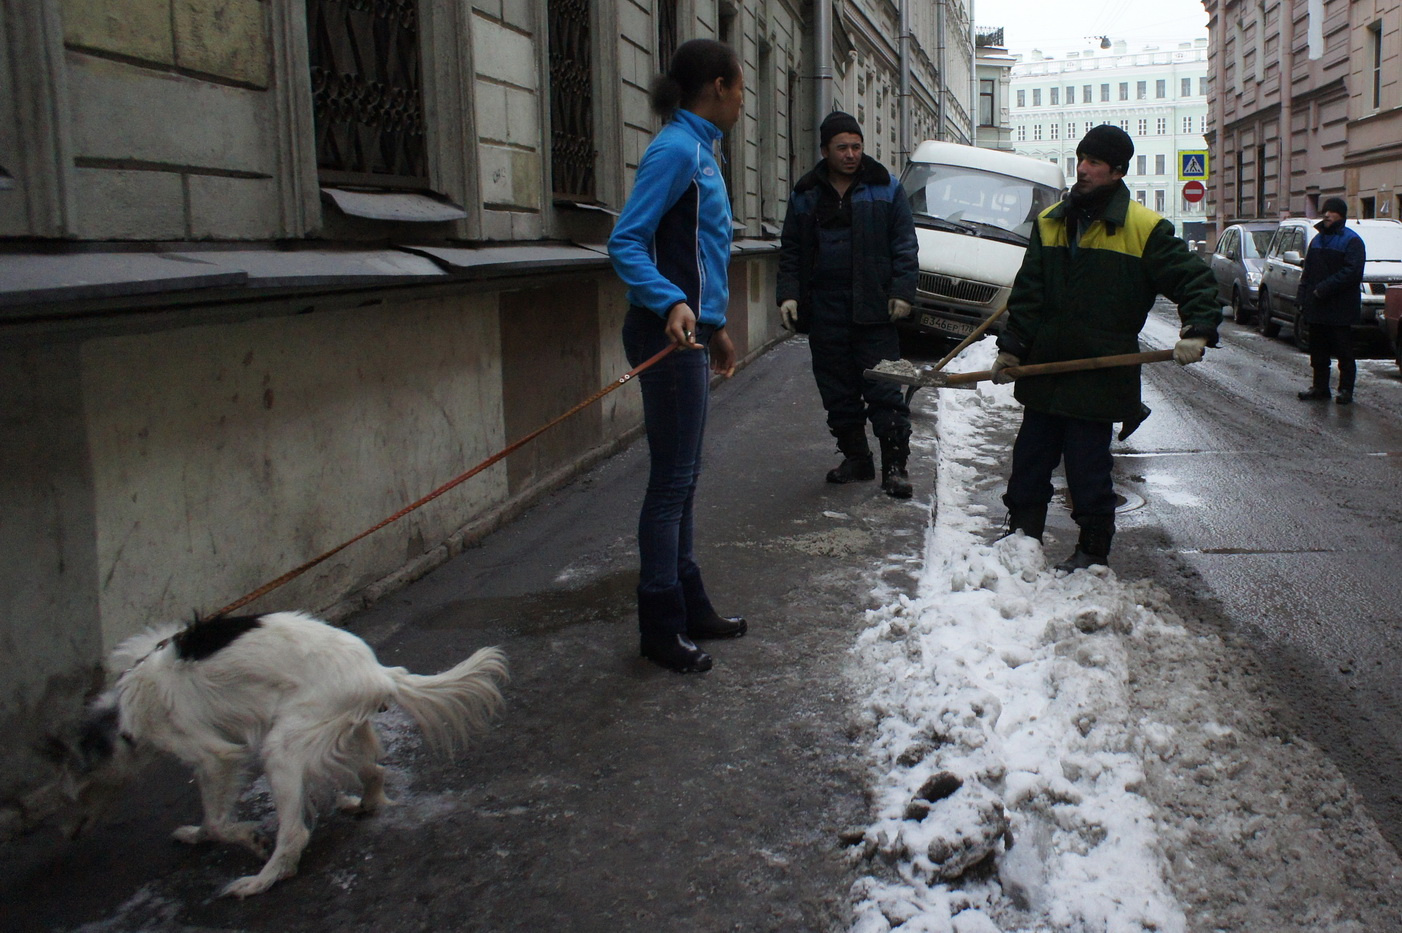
(1194, 191)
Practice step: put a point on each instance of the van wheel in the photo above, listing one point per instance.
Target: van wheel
(1302, 332)
(1269, 326)
(1239, 314)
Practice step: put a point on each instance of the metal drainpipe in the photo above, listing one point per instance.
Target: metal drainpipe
(1285, 139)
(973, 77)
(907, 131)
(822, 53)
(943, 77)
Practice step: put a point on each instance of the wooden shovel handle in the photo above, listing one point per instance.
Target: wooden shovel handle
(1065, 366)
(977, 333)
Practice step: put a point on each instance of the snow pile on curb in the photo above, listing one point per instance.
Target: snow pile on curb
(1009, 777)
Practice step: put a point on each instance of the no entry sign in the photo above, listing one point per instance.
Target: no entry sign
(1194, 191)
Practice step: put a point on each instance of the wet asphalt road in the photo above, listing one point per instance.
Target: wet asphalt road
(1285, 517)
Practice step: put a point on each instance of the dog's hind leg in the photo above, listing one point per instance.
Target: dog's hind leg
(219, 778)
(367, 750)
(289, 788)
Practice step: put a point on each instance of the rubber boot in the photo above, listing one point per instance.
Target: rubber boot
(856, 465)
(1031, 520)
(662, 625)
(1093, 548)
(895, 452)
(702, 620)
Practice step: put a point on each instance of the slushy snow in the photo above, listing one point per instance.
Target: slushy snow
(1014, 738)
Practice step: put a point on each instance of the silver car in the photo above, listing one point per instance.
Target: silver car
(1236, 265)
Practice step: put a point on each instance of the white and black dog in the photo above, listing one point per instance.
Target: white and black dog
(296, 693)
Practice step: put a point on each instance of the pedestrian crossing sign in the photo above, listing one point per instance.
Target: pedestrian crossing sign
(1192, 165)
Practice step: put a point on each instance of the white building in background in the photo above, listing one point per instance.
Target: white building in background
(1159, 97)
(993, 66)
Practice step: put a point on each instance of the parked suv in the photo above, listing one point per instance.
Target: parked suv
(974, 210)
(1280, 277)
(1236, 264)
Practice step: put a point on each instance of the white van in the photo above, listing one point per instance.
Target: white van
(974, 210)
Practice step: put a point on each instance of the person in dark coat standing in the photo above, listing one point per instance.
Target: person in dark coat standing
(848, 263)
(1093, 269)
(1330, 297)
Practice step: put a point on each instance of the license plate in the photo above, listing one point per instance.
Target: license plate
(957, 328)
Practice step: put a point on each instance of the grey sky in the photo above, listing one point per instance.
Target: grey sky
(1054, 26)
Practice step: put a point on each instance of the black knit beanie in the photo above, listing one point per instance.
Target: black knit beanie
(1109, 144)
(838, 122)
(1337, 205)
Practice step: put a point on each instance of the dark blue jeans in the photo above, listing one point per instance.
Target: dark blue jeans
(676, 392)
(1042, 442)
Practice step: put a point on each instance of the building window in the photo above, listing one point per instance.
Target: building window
(367, 93)
(1022, 98)
(1202, 87)
(1161, 127)
(1086, 93)
(1143, 128)
(572, 152)
(1187, 89)
(1187, 124)
(1141, 90)
(1141, 165)
(1037, 131)
(1036, 97)
(1070, 165)
(1055, 96)
(1375, 43)
(1159, 200)
(1124, 90)
(1070, 95)
(1056, 131)
(1022, 134)
(1141, 197)
(666, 33)
(1161, 88)
(1104, 92)
(986, 95)
(1160, 164)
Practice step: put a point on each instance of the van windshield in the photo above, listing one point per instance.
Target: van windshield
(983, 203)
(1254, 245)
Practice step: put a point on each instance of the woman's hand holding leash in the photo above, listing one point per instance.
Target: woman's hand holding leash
(681, 326)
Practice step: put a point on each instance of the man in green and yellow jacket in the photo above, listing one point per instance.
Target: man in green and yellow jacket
(1096, 262)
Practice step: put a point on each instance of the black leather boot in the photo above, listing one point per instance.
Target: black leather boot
(1031, 520)
(857, 464)
(1093, 548)
(702, 620)
(662, 624)
(895, 452)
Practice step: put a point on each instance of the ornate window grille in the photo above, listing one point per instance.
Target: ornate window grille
(367, 92)
(572, 152)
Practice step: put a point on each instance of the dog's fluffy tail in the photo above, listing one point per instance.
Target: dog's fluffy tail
(457, 704)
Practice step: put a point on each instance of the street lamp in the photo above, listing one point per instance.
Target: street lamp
(1104, 41)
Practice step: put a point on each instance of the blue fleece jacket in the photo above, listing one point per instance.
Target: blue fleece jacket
(672, 241)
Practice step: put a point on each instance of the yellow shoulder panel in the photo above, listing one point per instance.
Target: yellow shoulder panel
(1129, 239)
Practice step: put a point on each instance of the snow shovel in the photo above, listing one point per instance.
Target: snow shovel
(905, 373)
(976, 334)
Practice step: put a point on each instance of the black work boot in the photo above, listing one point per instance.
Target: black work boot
(1031, 520)
(856, 465)
(895, 452)
(662, 624)
(702, 620)
(1093, 548)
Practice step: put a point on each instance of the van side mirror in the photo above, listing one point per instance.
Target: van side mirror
(1292, 256)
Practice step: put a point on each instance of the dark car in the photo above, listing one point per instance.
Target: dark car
(1236, 264)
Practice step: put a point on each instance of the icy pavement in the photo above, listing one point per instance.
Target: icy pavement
(1065, 752)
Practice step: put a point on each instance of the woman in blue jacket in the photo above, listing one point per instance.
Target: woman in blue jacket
(671, 247)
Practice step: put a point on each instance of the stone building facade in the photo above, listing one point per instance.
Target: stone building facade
(1306, 104)
(272, 269)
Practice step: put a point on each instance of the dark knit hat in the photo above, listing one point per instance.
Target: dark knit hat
(838, 122)
(1337, 205)
(1109, 144)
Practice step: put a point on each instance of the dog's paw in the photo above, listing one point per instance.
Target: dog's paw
(190, 835)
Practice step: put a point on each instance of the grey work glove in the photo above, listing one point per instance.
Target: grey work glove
(1002, 362)
(788, 314)
(1189, 350)
(900, 309)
